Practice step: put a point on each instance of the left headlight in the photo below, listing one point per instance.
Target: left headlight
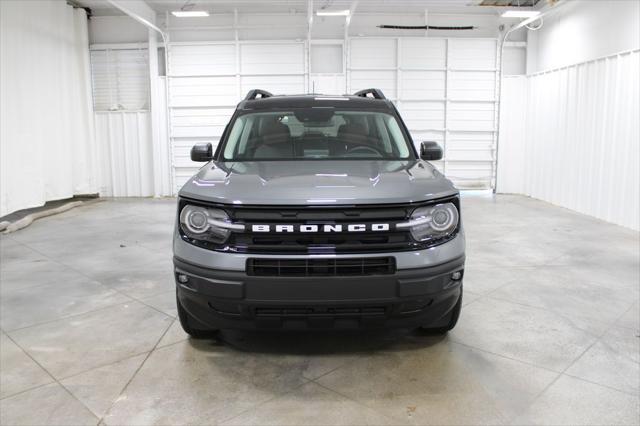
(202, 223)
(428, 223)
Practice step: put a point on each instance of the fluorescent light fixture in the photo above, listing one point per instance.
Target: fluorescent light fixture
(520, 14)
(333, 12)
(190, 13)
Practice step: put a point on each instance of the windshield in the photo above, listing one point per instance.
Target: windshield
(316, 134)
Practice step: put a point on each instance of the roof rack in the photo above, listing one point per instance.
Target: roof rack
(253, 94)
(375, 93)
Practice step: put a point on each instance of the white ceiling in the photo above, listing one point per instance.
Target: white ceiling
(101, 7)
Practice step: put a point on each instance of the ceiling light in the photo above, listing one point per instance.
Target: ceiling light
(190, 13)
(333, 12)
(520, 14)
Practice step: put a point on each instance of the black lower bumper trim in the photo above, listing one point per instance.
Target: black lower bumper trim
(233, 299)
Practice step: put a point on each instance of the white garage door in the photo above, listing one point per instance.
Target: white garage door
(206, 80)
(445, 90)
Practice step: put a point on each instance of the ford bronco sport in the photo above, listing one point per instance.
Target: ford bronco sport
(317, 212)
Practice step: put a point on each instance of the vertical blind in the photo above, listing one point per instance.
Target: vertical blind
(120, 79)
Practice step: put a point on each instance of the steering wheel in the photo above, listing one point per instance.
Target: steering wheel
(364, 149)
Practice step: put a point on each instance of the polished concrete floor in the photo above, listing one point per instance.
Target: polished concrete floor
(549, 333)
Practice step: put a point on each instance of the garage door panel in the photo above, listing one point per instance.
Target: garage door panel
(423, 115)
(444, 86)
(471, 116)
(278, 85)
(328, 84)
(423, 85)
(472, 54)
(373, 53)
(199, 122)
(471, 175)
(423, 53)
(470, 162)
(383, 80)
(477, 85)
(203, 91)
(454, 107)
(277, 58)
(470, 146)
(211, 59)
(205, 87)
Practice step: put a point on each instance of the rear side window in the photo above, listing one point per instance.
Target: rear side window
(316, 134)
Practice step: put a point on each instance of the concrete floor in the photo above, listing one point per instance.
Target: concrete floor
(548, 334)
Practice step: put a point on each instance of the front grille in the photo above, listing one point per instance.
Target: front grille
(320, 311)
(344, 242)
(290, 243)
(321, 267)
(338, 243)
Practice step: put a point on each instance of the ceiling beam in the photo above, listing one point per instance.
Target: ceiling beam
(138, 10)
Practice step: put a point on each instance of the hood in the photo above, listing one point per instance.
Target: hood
(317, 182)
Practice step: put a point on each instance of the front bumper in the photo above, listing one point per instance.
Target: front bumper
(231, 299)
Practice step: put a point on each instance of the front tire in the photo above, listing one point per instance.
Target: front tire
(187, 322)
(453, 320)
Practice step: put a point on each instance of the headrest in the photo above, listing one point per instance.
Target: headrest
(353, 128)
(273, 127)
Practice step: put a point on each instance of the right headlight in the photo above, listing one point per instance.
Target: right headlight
(428, 223)
(206, 224)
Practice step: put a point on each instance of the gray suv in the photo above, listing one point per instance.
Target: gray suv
(316, 212)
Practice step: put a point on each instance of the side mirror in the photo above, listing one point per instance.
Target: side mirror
(430, 151)
(202, 152)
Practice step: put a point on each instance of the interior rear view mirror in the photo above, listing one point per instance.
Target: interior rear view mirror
(430, 151)
(202, 152)
(314, 115)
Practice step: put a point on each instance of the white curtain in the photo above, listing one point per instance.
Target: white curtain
(571, 137)
(47, 148)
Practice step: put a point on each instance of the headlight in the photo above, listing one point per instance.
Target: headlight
(206, 224)
(432, 222)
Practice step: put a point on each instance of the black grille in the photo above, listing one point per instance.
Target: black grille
(345, 242)
(287, 243)
(320, 311)
(360, 242)
(321, 267)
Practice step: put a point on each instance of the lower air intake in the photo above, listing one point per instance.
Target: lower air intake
(321, 267)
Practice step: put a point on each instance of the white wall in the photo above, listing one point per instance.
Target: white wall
(580, 30)
(512, 161)
(46, 137)
(570, 135)
(116, 29)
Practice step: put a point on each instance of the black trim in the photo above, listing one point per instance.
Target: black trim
(253, 94)
(375, 93)
(323, 206)
(425, 27)
(313, 267)
(232, 299)
(320, 243)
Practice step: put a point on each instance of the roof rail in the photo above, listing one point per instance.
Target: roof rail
(375, 93)
(253, 94)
